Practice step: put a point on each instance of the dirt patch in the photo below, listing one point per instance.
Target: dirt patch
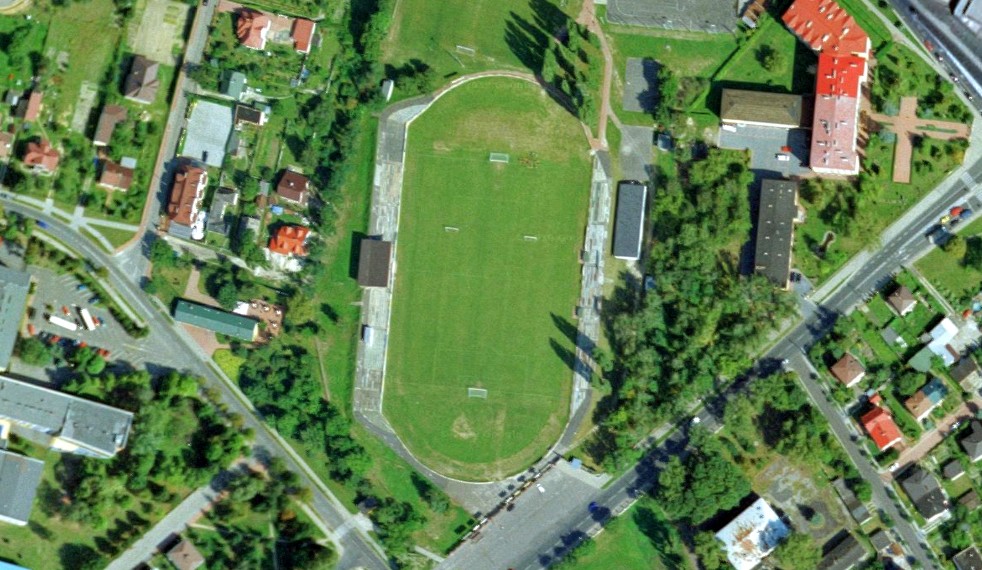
(811, 509)
(83, 107)
(160, 30)
(462, 428)
(441, 146)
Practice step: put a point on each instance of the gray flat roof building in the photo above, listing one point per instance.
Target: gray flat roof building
(73, 424)
(14, 287)
(632, 198)
(217, 320)
(208, 129)
(775, 230)
(373, 263)
(19, 480)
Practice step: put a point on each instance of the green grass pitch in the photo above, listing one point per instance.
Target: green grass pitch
(484, 307)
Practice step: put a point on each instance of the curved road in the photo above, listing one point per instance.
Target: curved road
(358, 549)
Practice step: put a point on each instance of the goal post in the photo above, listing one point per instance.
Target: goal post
(501, 157)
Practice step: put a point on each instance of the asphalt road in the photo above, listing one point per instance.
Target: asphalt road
(176, 350)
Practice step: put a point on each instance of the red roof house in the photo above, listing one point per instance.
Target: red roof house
(252, 28)
(116, 176)
(41, 157)
(879, 424)
(186, 194)
(826, 27)
(289, 240)
(293, 187)
(843, 48)
(32, 107)
(303, 34)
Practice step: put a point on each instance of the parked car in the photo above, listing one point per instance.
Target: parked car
(82, 287)
(95, 300)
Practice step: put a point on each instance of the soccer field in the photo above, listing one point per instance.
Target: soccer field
(478, 304)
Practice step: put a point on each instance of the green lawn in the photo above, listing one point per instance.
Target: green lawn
(484, 307)
(945, 271)
(900, 72)
(115, 236)
(503, 33)
(639, 539)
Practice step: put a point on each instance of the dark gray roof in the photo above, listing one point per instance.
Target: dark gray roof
(846, 554)
(373, 263)
(96, 428)
(968, 559)
(215, 319)
(925, 492)
(235, 84)
(179, 230)
(221, 210)
(953, 469)
(629, 220)
(972, 443)
(965, 368)
(853, 504)
(19, 479)
(14, 286)
(880, 540)
(775, 230)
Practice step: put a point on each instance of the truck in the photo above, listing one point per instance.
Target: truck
(63, 323)
(87, 319)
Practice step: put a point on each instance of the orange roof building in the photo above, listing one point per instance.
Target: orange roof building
(826, 27)
(115, 176)
(842, 68)
(303, 34)
(41, 157)
(33, 106)
(289, 240)
(252, 28)
(880, 426)
(186, 194)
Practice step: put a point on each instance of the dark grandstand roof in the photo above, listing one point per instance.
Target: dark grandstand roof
(775, 229)
(373, 263)
(629, 219)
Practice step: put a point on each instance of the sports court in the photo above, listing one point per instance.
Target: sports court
(494, 204)
(712, 16)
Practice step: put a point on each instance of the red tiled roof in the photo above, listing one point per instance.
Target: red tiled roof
(33, 106)
(289, 240)
(839, 75)
(825, 26)
(186, 194)
(116, 176)
(880, 426)
(251, 28)
(293, 186)
(41, 155)
(303, 33)
(834, 135)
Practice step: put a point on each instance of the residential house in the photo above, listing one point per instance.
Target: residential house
(235, 84)
(249, 115)
(141, 84)
(115, 176)
(41, 157)
(252, 28)
(968, 559)
(293, 187)
(30, 108)
(941, 336)
(19, 480)
(303, 34)
(855, 507)
(289, 240)
(880, 426)
(891, 337)
(846, 554)
(967, 374)
(632, 200)
(902, 300)
(221, 209)
(972, 443)
(970, 500)
(926, 399)
(185, 196)
(880, 540)
(741, 107)
(184, 556)
(752, 535)
(249, 224)
(64, 422)
(843, 48)
(217, 320)
(776, 217)
(6, 144)
(953, 470)
(925, 492)
(111, 116)
(374, 260)
(14, 288)
(848, 370)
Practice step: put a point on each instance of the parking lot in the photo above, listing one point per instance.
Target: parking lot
(766, 144)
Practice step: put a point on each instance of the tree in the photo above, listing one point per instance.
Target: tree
(162, 254)
(228, 295)
(768, 57)
(973, 253)
(910, 382)
(705, 483)
(798, 552)
(34, 352)
(709, 550)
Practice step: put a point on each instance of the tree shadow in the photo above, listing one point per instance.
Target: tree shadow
(656, 530)
(355, 253)
(566, 355)
(78, 556)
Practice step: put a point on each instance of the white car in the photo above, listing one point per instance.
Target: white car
(782, 157)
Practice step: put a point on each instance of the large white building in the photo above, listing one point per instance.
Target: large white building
(753, 535)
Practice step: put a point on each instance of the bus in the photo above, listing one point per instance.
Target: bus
(63, 323)
(87, 319)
